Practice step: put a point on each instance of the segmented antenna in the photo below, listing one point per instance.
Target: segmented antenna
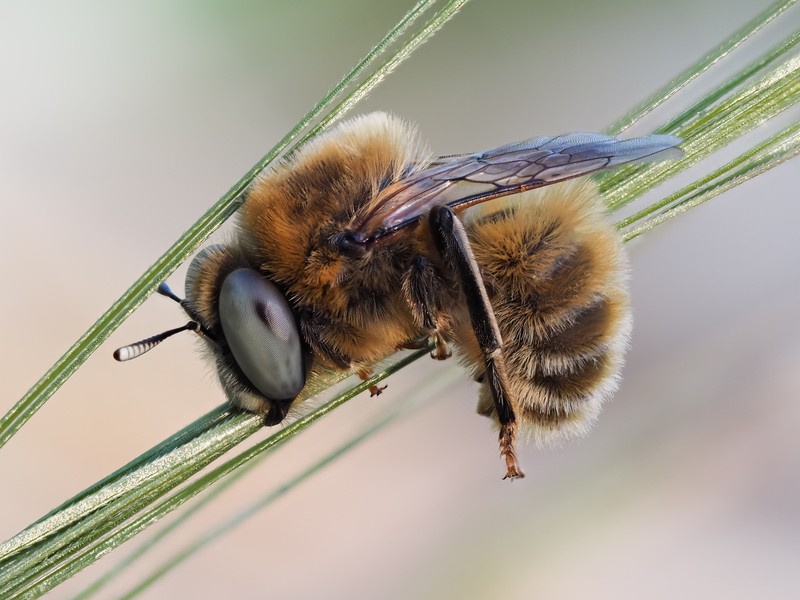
(135, 350)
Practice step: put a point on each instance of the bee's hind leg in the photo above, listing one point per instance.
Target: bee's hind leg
(454, 247)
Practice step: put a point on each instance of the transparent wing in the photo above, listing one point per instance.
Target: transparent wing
(464, 180)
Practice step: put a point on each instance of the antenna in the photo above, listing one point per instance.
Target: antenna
(136, 349)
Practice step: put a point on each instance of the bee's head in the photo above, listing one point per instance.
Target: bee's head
(246, 319)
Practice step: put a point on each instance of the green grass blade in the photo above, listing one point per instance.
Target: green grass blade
(185, 435)
(108, 507)
(682, 123)
(398, 410)
(770, 153)
(220, 426)
(768, 59)
(431, 26)
(711, 130)
(36, 584)
(697, 69)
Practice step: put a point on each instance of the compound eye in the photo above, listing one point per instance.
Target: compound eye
(260, 329)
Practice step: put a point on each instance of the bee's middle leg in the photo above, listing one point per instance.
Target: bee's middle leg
(454, 247)
(423, 287)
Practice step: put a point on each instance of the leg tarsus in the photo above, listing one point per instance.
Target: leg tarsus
(374, 390)
(417, 344)
(508, 451)
(277, 413)
(441, 351)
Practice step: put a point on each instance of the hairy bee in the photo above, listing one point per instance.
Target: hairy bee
(354, 248)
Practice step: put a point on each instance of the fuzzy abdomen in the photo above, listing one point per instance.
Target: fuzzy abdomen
(555, 272)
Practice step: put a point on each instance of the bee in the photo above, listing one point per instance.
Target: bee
(363, 244)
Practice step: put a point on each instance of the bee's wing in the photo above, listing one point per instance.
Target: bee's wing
(464, 180)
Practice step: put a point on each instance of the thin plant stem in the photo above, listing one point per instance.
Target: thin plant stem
(712, 130)
(609, 179)
(212, 433)
(81, 524)
(774, 143)
(767, 59)
(694, 71)
(184, 436)
(399, 409)
(84, 558)
(771, 153)
(431, 26)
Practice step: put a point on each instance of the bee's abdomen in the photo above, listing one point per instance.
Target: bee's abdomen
(561, 380)
(555, 271)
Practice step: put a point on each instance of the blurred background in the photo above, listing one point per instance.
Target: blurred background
(120, 123)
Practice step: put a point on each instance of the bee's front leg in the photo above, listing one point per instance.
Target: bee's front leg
(314, 325)
(454, 247)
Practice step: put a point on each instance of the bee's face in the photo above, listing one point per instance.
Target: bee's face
(354, 250)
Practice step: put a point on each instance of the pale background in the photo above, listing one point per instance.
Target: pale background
(120, 123)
